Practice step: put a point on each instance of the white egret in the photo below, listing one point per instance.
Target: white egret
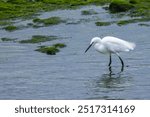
(111, 45)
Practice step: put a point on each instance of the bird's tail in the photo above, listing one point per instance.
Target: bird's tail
(131, 45)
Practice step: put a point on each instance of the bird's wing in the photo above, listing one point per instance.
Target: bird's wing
(114, 44)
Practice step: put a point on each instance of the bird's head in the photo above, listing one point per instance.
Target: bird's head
(93, 41)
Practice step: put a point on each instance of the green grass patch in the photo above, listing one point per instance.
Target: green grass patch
(103, 23)
(39, 39)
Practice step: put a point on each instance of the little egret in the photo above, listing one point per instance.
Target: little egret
(111, 45)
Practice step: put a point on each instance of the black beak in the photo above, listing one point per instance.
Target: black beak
(88, 48)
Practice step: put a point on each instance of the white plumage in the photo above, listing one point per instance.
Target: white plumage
(109, 45)
(112, 45)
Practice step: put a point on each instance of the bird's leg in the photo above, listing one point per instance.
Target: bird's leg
(121, 62)
(109, 60)
(110, 71)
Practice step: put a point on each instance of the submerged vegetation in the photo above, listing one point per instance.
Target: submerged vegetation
(10, 28)
(125, 22)
(59, 45)
(51, 50)
(4, 23)
(7, 39)
(88, 12)
(146, 25)
(103, 23)
(48, 50)
(135, 20)
(47, 21)
(39, 39)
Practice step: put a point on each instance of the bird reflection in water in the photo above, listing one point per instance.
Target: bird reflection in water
(111, 85)
(111, 80)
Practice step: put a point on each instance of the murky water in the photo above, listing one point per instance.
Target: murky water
(71, 74)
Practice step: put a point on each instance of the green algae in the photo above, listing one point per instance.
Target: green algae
(142, 8)
(7, 39)
(25, 8)
(120, 6)
(76, 2)
(136, 8)
(48, 21)
(142, 24)
(17, 9)
(103, 23)
(51, 50)
(39, 39)
(4, 23)
(88, 12)
(135, 20)
(11, 28)
(125, 22)
(133, 1)
(59, 45)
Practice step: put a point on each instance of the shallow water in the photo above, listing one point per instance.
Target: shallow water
(71, 74)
